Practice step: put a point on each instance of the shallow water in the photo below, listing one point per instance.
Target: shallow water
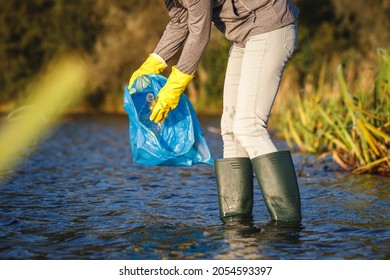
(80, 196)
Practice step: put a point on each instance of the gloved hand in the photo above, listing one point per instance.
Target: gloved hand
(154, 64)
(169, 95)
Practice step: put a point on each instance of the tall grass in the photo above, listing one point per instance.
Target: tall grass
(349, 122)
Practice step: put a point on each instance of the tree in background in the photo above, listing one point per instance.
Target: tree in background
(332, 31)
(132, 29)
(118, 35)
(33, 32)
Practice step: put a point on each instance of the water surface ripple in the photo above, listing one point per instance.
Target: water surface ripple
(79, 196)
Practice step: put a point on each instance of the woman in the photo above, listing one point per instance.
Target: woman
(263, 35)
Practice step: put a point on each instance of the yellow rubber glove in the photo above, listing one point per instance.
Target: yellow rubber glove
(154, 64)
(169, 95)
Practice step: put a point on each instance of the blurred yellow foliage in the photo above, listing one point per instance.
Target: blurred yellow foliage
(48, 98)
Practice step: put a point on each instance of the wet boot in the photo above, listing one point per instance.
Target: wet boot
(235, 187)
(278, 184)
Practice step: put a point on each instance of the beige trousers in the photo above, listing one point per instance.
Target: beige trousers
(252, 81)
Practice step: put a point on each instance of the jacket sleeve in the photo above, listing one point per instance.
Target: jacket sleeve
(189, 27)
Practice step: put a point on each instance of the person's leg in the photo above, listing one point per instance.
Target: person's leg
(231, 147)
(278, 183)
(234, 172)
(235, 186)
(264, 60)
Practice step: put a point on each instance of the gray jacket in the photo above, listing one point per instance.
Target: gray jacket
(190, 25)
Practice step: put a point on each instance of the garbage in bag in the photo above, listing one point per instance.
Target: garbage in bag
(178, 140)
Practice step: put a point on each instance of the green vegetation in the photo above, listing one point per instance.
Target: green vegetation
(114, 35)
(343, 110)
(351, 126)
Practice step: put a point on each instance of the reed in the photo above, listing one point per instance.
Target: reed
(351, 122)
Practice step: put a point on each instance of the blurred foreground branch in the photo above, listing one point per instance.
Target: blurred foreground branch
(49, 97)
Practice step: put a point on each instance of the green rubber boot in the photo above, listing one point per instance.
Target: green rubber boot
(278, 184)
(235, 186)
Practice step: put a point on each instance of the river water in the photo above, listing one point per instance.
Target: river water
(80, 196)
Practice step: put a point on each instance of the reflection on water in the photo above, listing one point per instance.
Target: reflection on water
(79, 196)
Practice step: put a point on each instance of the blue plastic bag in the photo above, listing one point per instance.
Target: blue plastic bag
(178, 141)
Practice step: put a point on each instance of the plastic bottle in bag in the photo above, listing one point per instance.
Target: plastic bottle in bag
(144, 116)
